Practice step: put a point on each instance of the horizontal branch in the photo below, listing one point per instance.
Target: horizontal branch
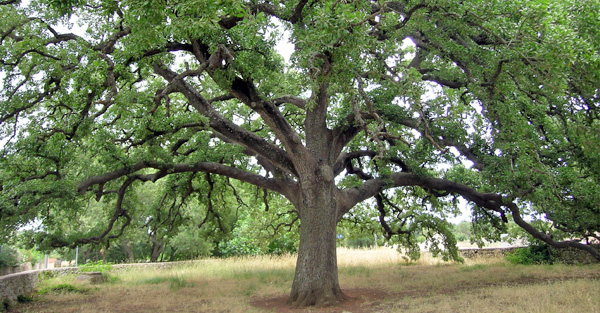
(297, 101)
(372, 187)
(165, 169)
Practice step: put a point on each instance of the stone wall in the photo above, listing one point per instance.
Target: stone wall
(161, 266)
(576, 256)
(567, 256)
(23, 283)
(14, 285)
(474, 253)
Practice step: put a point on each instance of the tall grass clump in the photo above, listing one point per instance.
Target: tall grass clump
(175, 282)
(63, 288)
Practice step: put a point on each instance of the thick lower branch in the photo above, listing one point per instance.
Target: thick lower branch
(164, 169)
(516, 214)
(490, 201)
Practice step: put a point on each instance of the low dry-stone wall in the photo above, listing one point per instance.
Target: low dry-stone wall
(23, 283)
(161, 266)
(567, 255)
(576, 256)
(14, 285)
(474, 253)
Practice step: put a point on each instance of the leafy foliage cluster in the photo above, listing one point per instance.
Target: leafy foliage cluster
(9, 257)
(98, 266)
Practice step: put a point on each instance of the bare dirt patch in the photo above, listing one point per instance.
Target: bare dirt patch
(363, 300)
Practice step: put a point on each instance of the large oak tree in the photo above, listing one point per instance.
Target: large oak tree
(493, 101)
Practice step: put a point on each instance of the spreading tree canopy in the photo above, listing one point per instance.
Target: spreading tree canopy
(412, 104)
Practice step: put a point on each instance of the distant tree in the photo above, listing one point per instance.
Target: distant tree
(408, 103)
(462, 231)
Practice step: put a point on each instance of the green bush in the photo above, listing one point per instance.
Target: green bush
(5, 306)
(461, 237)
(24, 298)
(9, 257)
(281, 246)
(98, 266)
(237, 246)
(534, 254)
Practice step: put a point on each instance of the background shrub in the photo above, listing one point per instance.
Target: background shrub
(9, 257)
(98, 266)
(534, 254)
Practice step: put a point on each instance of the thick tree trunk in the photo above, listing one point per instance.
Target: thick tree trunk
(316, 278)
(129, 251)
(157, 248)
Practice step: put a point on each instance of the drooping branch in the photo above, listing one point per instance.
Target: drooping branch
(490, 201)
(389, 232)
(289, 225)
(210, 208)
(516, 214)
(119, 211)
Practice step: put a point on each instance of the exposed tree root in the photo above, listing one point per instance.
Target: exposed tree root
(320, 297)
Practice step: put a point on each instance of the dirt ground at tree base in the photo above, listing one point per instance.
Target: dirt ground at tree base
(361, 301)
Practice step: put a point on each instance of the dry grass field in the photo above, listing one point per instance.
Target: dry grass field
(378, 280)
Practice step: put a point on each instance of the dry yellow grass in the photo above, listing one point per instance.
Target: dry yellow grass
(560, 297)
(231, 285)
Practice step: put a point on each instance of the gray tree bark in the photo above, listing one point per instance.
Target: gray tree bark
(316, 277)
